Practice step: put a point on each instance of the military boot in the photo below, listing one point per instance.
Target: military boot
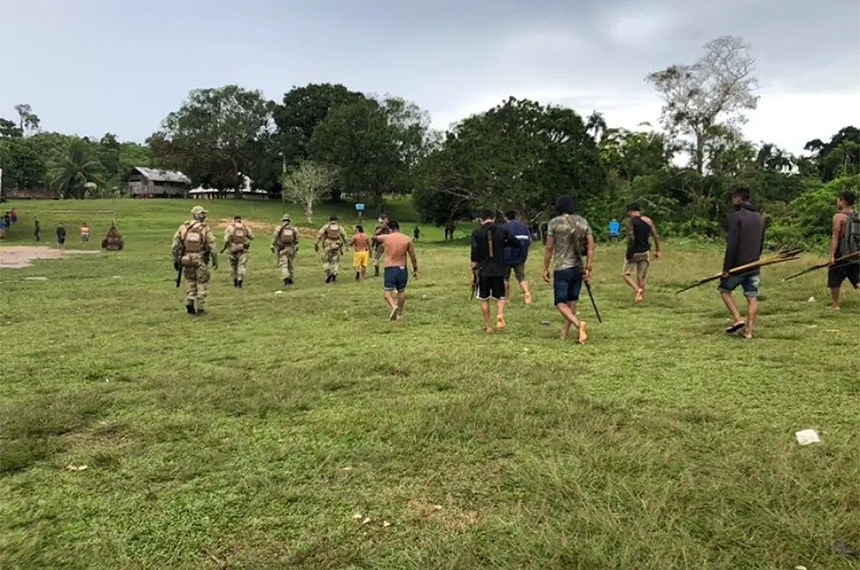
(235, 282)
(357, 275)
(239, 283)
(189, 306)
(286, 280)
(328, 277)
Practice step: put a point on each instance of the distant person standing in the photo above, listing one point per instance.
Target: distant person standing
(333, 239)
(397, 246)
(13, 216)
(285, 243)
(237, 237)
(85, 233)
(844, 240)
(744, 244)
(416, 233)
(37, 229)
(380, 230)
(516, 257)
(640, 230)
(568, 236)
(3, 228)
(488, 260)
(61, 237)
(449, 230)
(360, 242)
(614, 230)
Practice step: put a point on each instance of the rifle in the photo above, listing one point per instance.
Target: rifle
(842, 261)
(593, 303)
(786, 255)
(473, 286)
(179, 273)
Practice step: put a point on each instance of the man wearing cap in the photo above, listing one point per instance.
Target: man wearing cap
(333, 239)
(640, 230)
(285, 243)
(378, 251)
(193, 249)
(236, 240)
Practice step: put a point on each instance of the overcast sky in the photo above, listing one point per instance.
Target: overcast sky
(93, 66)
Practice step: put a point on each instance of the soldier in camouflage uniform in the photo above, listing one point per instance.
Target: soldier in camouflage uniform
(333, 240)
(193, 249)
(236, 238)
(285, 243)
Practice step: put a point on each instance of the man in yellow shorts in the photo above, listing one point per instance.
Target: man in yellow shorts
(361, 243)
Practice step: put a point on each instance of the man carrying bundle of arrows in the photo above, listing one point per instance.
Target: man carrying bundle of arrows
(744, 244)
(844, 247)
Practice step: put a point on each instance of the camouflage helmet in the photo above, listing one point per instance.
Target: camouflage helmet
(198, 211)
(285, 218)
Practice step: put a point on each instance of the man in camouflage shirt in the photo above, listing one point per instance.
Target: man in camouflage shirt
(568, 235)
(193, 249)
(236, 238)
(285, 243)
(333, 240)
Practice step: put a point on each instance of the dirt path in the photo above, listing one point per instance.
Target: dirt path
(17, 256)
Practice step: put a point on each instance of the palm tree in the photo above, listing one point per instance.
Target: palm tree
(73, 168)
(595, 125)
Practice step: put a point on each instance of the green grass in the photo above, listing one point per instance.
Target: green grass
(253, 437)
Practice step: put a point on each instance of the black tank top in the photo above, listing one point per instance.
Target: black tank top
(641, 233)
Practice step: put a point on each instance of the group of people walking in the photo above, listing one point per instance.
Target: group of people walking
(500, 250)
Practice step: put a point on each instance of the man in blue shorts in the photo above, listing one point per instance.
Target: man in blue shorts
(568, 235)
(744, 243)
(397, 245)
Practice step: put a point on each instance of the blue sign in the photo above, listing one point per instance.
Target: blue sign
(359, 207)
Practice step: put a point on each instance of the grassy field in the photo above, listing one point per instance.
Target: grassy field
(304, 430)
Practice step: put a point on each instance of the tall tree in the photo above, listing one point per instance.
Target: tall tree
(28, 121)
(711, 93)
(301, 110)
(596, 125)
(307, 184)
(213, 136)
(375, 146)
(73, 168)
(517, 155)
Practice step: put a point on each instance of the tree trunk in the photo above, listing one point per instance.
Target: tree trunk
(700, 153)
(309, 211)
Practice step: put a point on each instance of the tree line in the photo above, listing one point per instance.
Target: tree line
(327, 141)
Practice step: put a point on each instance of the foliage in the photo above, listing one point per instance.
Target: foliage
(709, 95)
(517, 155)
(213, 137)
(73, 168)
(307, 184)
(374, 145)
(28, 121)
(813, 210)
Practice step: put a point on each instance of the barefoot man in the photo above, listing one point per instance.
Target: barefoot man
(396, 245)
(639, 231)
(360, 242)
(844, 240)
(566, 236)
(744, 243)
(488, 259)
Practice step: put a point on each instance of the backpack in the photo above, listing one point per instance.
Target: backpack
(286, 236)
(194, 238)
(332, 232)
(237, 239)
(850, 242)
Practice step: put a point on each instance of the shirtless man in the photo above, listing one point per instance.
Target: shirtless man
(843, 242)
(397, 245)
(360, 242)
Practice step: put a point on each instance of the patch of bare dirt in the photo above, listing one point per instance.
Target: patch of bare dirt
(18, 256)
(265, 228)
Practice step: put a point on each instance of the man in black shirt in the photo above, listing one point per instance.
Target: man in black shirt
(640, 230)
(488, 259)
(744, 243)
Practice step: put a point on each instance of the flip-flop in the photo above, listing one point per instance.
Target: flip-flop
(393, 314)
(735, 327)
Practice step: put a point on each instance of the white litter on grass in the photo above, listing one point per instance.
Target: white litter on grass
(807, 436)
(116, 277)
(386, 524)
(72, 467)
(366, 520)
(279, 292)
(38, 278)
(357, 516)
(811, 300)
(800, 568)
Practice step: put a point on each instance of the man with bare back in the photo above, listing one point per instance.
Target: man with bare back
(397, 245)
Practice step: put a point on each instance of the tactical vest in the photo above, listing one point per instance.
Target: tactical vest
(194, 238)
(238, 237)
(332, 232)
(287, 236)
